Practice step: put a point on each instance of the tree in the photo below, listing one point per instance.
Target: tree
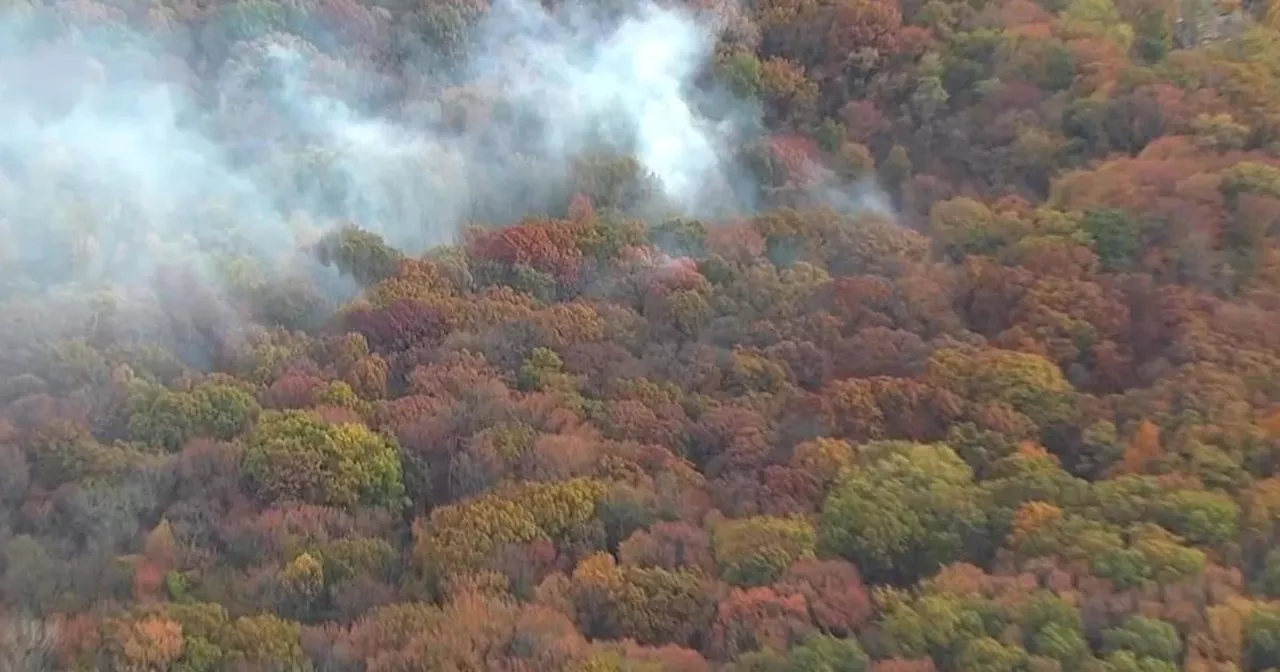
(1116, 235)
(63, 452)
(648, 604)
(541, 246)
(1060, 640)
(668, 545)
(1201, 517)
(1029, 383)
(215, 410)
(839, 601)
(28, 645)
(1145, 638)
(1126, 661)
(908, 510)
(458, 538)
(214, 640)
(758, 618)
(302, 582)
(936, 626)
(294, 455)
(15, 475)
(987, 653)
(1143, 449)
(756, 551)
(1263, 638)
(159, 557)
(824, 458)
(401, 324)
(151, 643)
(963, 225)
(824, 653)
(618, 183)
(263, 640)
(360, 254)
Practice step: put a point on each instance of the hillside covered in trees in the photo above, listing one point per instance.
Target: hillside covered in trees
(602, 336)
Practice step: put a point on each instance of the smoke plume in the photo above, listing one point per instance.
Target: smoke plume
(111, 164)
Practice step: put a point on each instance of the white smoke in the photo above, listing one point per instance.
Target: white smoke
(108, 172)
(630, 87)
(115, 158)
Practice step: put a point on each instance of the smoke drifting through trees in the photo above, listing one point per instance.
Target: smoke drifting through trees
(111, 163)
(1037, 427)
(187, 176)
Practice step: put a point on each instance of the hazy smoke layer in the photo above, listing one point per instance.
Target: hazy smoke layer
(111, 163)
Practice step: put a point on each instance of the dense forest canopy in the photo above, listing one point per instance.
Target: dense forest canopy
(760, 336)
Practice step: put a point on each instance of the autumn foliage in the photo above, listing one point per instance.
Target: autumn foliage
(1020, 416)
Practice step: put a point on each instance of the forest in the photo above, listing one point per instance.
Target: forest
(631, 336)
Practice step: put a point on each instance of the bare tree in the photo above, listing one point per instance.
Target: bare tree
(27, 644)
